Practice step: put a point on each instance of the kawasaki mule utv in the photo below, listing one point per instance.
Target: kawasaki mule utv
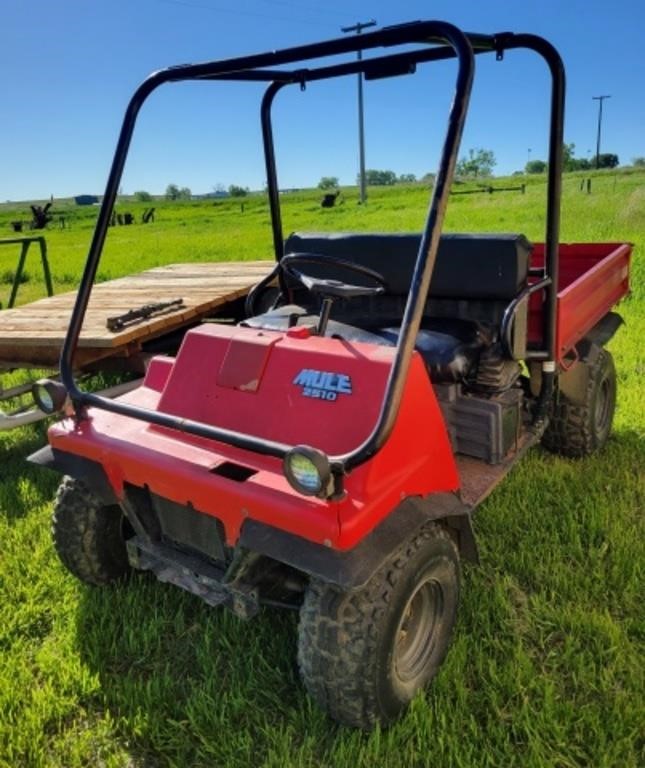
(326, 452)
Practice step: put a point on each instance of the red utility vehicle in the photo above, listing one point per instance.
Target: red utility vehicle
(326, 452)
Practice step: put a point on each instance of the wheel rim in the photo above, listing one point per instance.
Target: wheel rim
(416, 633)
(602, 410)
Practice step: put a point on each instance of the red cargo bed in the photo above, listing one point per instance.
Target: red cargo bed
(593, 277)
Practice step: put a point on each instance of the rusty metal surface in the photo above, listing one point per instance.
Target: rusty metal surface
(478, 478)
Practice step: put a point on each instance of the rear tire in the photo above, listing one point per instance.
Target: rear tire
(582, 428)
(89, 536)
(363, 655)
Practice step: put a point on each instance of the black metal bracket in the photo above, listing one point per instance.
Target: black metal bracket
(193, 574)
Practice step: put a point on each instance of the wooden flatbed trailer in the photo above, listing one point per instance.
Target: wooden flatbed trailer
(32, 335)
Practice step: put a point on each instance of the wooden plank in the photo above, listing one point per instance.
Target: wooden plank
(19, 355)
(34, 333)
(167, 282)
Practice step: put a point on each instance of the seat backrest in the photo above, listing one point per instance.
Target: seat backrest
(468, 266)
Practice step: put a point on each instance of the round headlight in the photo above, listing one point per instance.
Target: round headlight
(50, 396)
(308, 471)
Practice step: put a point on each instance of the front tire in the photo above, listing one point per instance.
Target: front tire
(89, 536)
(363, 655)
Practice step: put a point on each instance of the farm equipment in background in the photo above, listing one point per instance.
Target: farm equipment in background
(16, 401)
(148, 216)
(329, 199)
(21, 410)
(19, 272)
(41, 216)
(326, 452)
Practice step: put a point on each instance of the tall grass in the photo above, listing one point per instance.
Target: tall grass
(546, 667)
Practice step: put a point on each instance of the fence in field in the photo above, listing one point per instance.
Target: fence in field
(489, 189)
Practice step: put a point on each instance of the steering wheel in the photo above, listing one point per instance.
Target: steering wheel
(332, 288)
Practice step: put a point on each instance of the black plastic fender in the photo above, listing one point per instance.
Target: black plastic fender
(573, 382)
(90, 472)
(352, 569)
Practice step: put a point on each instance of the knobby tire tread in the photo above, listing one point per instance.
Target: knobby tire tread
(571, 430)
(87, 535)
(339, 634)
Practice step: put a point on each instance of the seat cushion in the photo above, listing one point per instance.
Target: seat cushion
(468, 266)
(449, 348)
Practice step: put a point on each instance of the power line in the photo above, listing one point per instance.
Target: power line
(600, 100)
(310, 22)
(321, 13)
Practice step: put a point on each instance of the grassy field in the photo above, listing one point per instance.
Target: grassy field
(546, 668)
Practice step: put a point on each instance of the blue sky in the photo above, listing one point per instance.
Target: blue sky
(67, 70)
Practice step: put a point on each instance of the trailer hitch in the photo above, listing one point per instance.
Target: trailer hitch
(193, 574)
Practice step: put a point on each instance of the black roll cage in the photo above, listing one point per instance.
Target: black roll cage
(445, 41)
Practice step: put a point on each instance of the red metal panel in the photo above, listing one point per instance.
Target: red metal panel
(587, 299)
(416, 459)
(593, 277)
(245, 361)
(279, 409)
(158, 371)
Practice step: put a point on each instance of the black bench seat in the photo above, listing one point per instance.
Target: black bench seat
(468, 266)
(474, 279)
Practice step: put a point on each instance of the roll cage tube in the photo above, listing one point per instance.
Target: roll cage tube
(252, 69)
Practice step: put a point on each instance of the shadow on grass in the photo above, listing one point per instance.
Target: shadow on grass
(185, 684)
(189, 684)
(24, 486)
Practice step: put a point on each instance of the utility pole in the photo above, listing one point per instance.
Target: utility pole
(358, 28)
(599, 99)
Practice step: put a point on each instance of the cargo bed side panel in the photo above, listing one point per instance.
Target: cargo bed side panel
(593, 278)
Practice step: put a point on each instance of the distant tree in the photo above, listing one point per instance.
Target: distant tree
(535, 166)
(567, 156)
(407, 178)
(572, 163)
(236, 191)
(428, 178)
(607, 160)
(478, 164)
(142, 197)
(376, 178)
(172, 192)
(328, 182)
(638, 162)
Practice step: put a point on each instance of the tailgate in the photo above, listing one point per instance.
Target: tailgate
(587, 299)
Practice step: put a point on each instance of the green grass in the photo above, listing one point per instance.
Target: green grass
(546, 668)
